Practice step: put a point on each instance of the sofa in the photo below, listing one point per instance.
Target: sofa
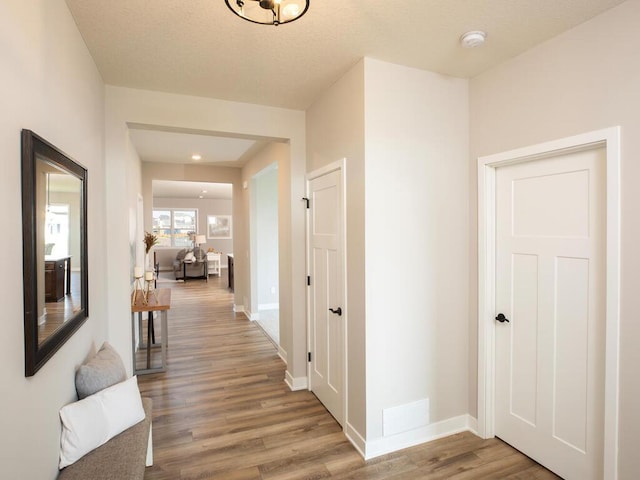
(192, 269)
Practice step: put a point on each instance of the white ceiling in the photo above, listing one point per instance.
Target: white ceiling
(165, 146)
(201, 48)
(176, 189)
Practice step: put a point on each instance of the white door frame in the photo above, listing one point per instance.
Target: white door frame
(334, 166)
(610, 139)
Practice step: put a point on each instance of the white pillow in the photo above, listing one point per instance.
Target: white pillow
(91, 422)
(189, 257)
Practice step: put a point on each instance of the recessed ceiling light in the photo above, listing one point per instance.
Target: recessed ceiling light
(196, 157)
(204, 191)
(473, 39)
(200, 196)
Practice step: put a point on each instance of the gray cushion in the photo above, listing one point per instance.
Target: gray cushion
(101, 371)
(180, 255)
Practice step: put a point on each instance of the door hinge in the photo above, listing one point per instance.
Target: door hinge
(309, 356)
(308, 280)
(306, 200)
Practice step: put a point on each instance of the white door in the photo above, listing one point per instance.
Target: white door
(326, 292)
(550, 286)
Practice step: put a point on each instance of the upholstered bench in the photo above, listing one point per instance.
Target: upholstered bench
(106, 434)
(124, 457)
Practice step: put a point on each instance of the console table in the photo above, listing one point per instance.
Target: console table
(162, 304)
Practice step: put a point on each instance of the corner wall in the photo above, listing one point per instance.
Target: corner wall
(417, 265)
(406, 151)
(49, 84)
(583, 80)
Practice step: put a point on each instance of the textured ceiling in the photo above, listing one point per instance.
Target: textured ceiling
(199, 47)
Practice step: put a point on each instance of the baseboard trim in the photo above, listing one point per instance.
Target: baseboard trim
(282, 353)
(247, 313)
(295, 384)
(434, 431)
(356, 439)
(473, 424)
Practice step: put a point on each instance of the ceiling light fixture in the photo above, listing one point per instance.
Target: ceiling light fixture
(269, 12)
(473, 39)
(196, 157)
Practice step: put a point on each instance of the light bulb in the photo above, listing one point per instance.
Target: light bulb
(291, 10)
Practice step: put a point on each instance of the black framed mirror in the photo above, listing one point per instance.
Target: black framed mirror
(54, 236)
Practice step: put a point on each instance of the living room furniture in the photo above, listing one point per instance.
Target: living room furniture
(213, 263)
(57, 276)
(198, 270)
(230, 270)
(161, 302)
(184, 268)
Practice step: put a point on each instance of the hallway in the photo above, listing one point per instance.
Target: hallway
(222, 411)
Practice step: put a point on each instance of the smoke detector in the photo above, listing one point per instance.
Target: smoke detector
(473, 39)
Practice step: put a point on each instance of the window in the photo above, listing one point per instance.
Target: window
(56, 234)
(174, 226)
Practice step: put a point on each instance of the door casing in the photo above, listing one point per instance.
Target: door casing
(608, 138)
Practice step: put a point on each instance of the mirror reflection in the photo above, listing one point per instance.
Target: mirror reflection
(54, 236)
(58, 247)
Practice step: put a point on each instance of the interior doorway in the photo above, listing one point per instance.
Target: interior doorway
(264, 251)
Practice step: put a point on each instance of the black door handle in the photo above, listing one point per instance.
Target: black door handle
(337, 311)
(501, 318)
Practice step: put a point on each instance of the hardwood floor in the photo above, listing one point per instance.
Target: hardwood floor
(223, 411)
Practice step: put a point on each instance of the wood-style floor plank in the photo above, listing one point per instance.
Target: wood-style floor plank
(222, 411)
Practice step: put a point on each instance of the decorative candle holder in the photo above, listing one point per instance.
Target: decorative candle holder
(148, 280)
(138, 274)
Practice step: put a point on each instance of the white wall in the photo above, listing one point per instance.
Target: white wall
(123, 250)
(50, 85)
(584, 80)
(417, 266)
(335, 130)
(406, 153)
(221, 117)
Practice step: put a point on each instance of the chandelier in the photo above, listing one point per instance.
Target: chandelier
(269, 12)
